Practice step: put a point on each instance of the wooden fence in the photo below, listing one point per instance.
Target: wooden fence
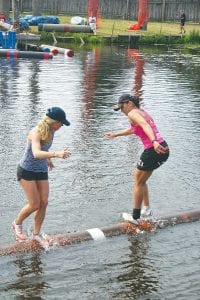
(159, 10)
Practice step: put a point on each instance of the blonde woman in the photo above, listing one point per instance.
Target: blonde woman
(32, 172)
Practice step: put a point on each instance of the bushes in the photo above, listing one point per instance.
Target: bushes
(193, 37)
(160, 39)
(46, 37)
(190, 38)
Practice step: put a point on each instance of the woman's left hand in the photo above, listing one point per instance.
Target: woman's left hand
(50, 165)
(159, 148)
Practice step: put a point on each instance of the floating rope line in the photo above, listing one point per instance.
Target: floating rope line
(98, 234)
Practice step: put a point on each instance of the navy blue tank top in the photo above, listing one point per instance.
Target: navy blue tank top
(30, 163)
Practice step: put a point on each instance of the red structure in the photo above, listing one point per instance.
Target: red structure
(93, 10)
(89, 83)
(143, 15)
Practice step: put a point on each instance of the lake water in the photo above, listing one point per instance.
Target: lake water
(93, 186)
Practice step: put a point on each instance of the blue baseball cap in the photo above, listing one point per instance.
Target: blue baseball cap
(57, 114)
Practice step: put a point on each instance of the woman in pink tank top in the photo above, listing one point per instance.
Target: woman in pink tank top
(155, 153)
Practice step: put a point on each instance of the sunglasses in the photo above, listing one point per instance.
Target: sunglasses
(121, 105)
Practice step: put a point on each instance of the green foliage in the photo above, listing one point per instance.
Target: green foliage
(161, 39)
(153, 39)
(46, 37)
(147, 39)
(193, 37)
(96, 39)
(87, 38)
(76, 38)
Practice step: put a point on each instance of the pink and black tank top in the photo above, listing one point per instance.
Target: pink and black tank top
(137, 130)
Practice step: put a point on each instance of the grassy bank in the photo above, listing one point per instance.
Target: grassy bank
(163, 33)
(109, 27)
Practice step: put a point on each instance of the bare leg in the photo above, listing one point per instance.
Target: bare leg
(145, 195)
(43, 188)
(182, 29)
(33, 197)
(140, 187)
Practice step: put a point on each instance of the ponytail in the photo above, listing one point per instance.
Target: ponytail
(135, 100)
(44, 127)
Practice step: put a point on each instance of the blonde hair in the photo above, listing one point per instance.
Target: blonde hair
(44, 128)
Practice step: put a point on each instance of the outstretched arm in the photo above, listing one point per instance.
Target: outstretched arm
(35, 138)
(127, 131)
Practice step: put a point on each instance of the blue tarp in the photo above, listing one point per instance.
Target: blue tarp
(23, 23)
(35, 20)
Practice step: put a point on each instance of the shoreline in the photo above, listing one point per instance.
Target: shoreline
(114, 31)
(186, 41)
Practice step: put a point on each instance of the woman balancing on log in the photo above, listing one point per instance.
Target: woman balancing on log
(32, 172)
(155, 153)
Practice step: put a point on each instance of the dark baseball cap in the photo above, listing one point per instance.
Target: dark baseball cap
(57, 114)
(124, 99)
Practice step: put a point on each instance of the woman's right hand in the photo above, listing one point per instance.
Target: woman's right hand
(110, 135)
(63, 154)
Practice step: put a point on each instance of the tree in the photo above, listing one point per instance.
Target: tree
(15, 13)
(5, 7)
(36, 7)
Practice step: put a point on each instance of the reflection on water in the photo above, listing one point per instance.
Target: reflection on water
(94, 186)
(9, 71)
(139, 277)
(28, 278)
(34, 85)
(138, 58)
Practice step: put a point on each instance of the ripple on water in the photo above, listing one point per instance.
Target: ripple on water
(93, 186)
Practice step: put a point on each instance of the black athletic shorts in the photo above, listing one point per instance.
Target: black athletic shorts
(151, 160)
(29, 175)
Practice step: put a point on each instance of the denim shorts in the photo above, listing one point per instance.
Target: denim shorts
(151, 160)
(29, 175)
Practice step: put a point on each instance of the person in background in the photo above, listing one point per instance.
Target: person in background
(155, 153)
(32, 172)
(182, 22)
(2, 17)
(92, 22)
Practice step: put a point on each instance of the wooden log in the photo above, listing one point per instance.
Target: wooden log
(64, 28)
(15, 54)
(30, 245)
